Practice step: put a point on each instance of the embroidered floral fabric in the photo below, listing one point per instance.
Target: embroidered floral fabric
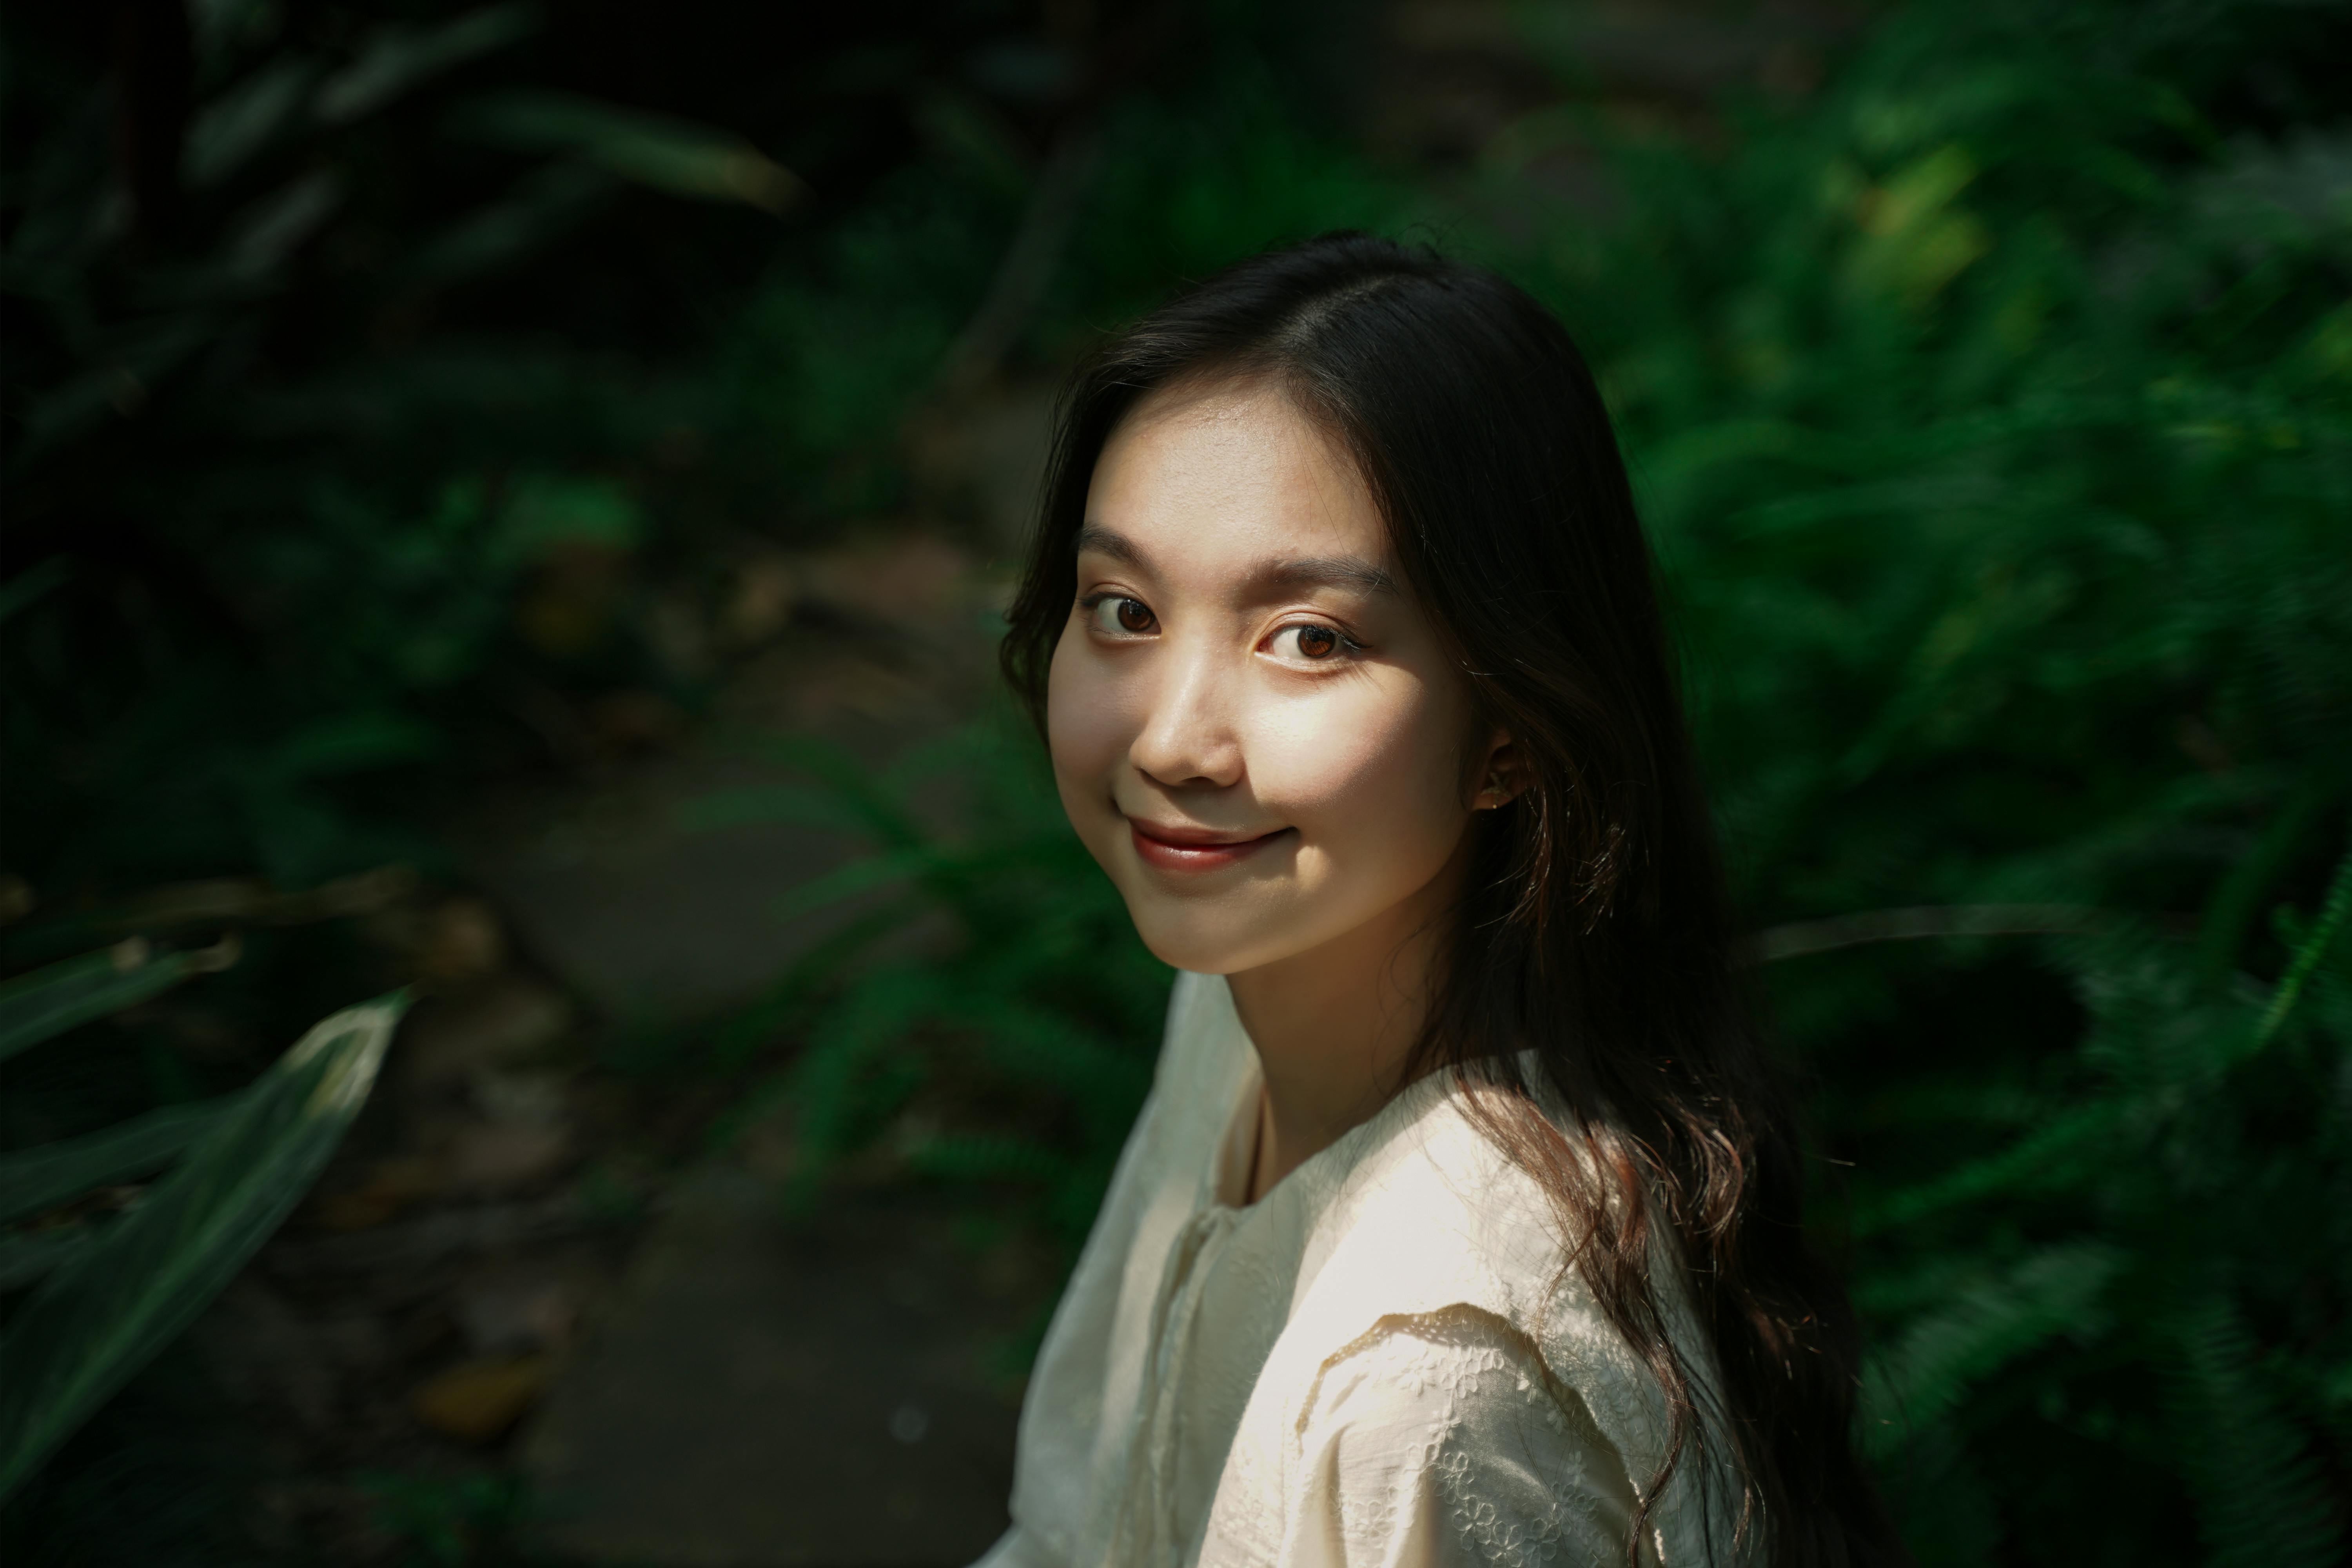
(1378, 1365)
(1444, 1438)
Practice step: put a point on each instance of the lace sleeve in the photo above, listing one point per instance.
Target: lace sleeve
(1444, 1441)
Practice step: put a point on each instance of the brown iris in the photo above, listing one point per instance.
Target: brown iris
(1317, 642)
(1134, 616)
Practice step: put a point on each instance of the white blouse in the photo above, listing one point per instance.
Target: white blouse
(1380, 1362)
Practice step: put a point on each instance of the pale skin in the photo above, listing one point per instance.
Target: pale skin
(1259, 736)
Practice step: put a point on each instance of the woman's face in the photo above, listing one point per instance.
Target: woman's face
(1253, 726)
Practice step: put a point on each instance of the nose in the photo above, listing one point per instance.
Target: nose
(1190, 736)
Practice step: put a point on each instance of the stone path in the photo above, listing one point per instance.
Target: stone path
(656, 921)
(765, 1395)
(758, 1392)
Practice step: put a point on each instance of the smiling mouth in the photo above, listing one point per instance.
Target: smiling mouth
(1196, 848)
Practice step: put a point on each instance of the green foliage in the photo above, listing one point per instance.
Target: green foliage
(47, 1002)
(1192, 185)
(1986, 414)
(156, 1478)
(985, 998)
(115, 1299)
(447, 1522)
(38, 1178)
(278, 551)
(2201, 1184)
(2261, 1498)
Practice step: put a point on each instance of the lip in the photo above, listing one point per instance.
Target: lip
(1178, 848)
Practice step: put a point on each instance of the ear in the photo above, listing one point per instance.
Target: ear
(1500, 776)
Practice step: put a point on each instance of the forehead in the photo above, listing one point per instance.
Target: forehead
(1222, 475)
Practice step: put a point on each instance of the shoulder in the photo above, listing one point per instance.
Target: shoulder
(1461, 1411)
(1439, 1314)
(1433, 1215)
(1444, 1438)
(1448, 1373)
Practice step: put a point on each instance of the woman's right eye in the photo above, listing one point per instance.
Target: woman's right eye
(1118, 616)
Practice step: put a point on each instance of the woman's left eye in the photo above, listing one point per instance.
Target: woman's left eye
(1310, 642)
(1115, 615)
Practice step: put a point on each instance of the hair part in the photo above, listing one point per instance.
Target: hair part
(1595, 930)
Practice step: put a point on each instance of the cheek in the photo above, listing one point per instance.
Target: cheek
(1088, 726)
(1371, 777)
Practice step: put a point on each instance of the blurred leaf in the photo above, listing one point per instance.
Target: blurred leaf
(761, 803)
(27, 1256)
(1916, 241)
(545, 511)
(36, 1178)
(47, 1002)
(270, 231)
(447, 1519)
(396, 58)
(138, 359)
(95, 1322)
(1031, 977)
(27, 587)
(229, 130)
(2053, 1156)
(2232, 906)
(672, 155)
(967, 131)
(1984, 1327)
(2332, 913)
(350, 743)
(985, 1159)
(875, 805)
(859, 877)
(542, 206)
(2260, 1501)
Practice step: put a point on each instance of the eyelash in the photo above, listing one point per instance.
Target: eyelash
(1090, 603)
(1349, 646)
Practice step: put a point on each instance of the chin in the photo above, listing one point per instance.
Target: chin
(1180, 945)
(1204, 941)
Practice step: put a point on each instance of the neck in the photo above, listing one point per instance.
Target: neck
(1334, 1025)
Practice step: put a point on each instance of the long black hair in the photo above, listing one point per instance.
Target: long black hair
(1595, 929)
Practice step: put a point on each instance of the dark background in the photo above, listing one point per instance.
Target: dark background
(513, 502)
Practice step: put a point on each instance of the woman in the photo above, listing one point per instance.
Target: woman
(1462, 1224)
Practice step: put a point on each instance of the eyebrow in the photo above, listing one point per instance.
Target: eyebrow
(1331, 572)
(1312, 572)
(1103, 542)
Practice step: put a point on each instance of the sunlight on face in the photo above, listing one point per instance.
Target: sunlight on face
(1253, 725)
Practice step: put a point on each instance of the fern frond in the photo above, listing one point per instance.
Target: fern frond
(1985, 1326)
(2052, 1158)
(2259, 1500)
(2332, 913)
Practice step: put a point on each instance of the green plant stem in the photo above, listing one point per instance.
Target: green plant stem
(2306, 958)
